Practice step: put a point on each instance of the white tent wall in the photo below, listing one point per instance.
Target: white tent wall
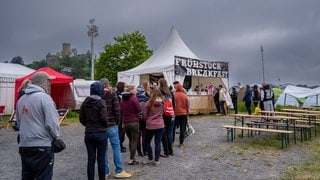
(301, 92)
(8, 74)
(311, 101)
(7, 96)
(286, 99)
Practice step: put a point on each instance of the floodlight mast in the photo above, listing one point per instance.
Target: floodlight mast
(92, 32)
(263, 78)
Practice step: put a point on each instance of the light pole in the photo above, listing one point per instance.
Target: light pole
(263, 79)
(92, 32)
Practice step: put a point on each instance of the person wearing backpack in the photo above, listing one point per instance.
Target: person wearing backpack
(143, 98)
(255, 95)
(168, 117)
(267, 97)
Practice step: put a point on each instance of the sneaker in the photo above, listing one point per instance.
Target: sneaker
(148, 162)
(122, 175)
(107, 175)
(133, 162)
(164, 155)
(156, 163)
(181, 145)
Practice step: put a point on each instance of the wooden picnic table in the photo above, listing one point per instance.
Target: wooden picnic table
(301, 111)
(287, 119)
(312, 117)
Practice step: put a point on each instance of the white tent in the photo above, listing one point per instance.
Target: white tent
(162, 63)
(286, 99)
(8, 74)
(301, 92)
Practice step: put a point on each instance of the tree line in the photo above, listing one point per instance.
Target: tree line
(127, 51)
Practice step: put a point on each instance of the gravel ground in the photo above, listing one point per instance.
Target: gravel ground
(206, 155)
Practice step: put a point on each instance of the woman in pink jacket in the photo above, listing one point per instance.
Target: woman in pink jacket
(153, 114)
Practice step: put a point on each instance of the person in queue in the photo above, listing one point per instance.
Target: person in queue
(130, 108)
(181, 111)
(168, 119)
(113, 112)
(247, 99)
(37, 120)
(267, 97)
(153, 114)
(120, 88)
(143, 98)
(234, 98)
(94, 117)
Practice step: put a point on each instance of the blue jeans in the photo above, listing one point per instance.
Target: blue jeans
(37, 162)
(170, 130)
(113, 136)
(157, 133)
(96, 144)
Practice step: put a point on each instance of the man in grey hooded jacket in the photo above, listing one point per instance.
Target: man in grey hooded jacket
(37, 119)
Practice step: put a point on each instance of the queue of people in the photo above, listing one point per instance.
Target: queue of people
(140, 113)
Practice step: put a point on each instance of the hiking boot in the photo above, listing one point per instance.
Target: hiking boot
(181, 145)
(156, 163)
(122, 175)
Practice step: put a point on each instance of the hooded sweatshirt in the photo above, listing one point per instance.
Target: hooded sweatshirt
(154, 119)
(37, 118)
(130, 108)
(93, 111)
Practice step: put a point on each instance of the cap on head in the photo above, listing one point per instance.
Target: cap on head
(41, 76)
(105, 81)
(175, 82)
(41, 79)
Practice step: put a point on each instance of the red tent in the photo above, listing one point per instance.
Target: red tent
(61, 91)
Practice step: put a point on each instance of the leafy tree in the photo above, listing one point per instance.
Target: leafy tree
(80, 66)
(17, 60)
(127, 52)
(38, 64)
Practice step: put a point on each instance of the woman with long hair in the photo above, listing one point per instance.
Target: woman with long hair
(154, 126)
(168, 119)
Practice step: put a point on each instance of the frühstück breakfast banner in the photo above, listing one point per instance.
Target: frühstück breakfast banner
(196, 67)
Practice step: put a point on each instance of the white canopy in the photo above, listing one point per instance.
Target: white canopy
(8, 75)
(161, 62)
(286, 99)
(312, 95)
(10, 72)
(301, 92)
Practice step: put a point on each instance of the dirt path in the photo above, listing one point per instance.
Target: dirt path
(207, 155)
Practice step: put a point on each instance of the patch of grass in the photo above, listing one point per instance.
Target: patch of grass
(309, 170)
(4, 121)
(72, 118)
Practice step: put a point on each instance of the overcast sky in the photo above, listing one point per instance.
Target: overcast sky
(217, 30)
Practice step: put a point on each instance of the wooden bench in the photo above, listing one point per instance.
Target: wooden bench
(284, 133)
